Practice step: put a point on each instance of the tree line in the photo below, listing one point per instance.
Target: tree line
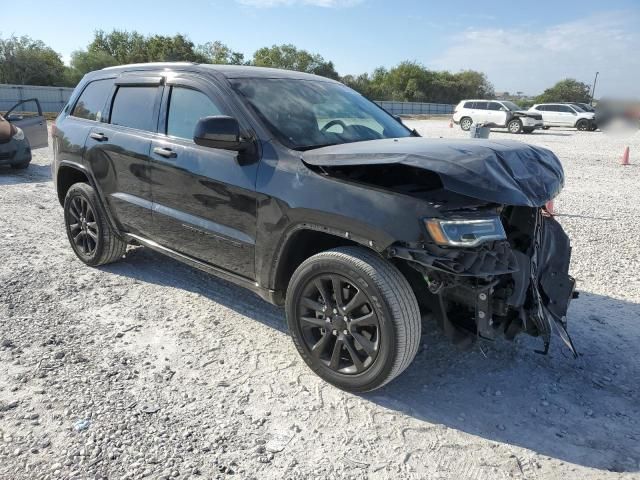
(26, 61)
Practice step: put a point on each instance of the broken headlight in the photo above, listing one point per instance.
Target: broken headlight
(465, 233)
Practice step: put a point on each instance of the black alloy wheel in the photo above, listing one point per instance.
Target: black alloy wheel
(90, 235)
(339, 325)
(353, 318)
(84, 231)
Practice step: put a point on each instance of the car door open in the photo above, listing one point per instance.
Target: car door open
(27, 115)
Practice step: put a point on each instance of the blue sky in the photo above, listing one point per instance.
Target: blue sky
(521, 46)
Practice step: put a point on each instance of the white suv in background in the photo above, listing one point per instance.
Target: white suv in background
(498, 113)
(564, 115)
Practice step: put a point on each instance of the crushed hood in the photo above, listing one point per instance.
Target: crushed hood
(505, 171)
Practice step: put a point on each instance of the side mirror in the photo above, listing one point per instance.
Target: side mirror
(219, 132)
(398, 119)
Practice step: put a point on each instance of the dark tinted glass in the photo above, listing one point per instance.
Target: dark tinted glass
(186, 107)
(480, 105)
(553, 108)
(541, 108)
(468, 104)
(306, 114)
(564, 108)
(92, 100)
(133, 107)
(494, 106)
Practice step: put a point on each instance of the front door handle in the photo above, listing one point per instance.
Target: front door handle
(101, 137)
(165, 152)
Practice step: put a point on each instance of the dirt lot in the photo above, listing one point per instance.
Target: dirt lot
(147, 368)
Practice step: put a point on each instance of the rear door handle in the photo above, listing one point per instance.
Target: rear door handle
(101, 137)
(165, 152)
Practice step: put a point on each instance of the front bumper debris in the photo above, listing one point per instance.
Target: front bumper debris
(500, 288)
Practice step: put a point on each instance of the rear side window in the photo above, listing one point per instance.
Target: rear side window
(91, 103)
(186, 107)
(553, 108)
(480, 105)
(133, 107)
(541, 108)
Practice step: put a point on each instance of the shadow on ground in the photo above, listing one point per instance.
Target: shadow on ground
(33, 174)
(582, 411)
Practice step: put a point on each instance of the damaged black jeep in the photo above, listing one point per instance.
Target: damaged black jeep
(303, 191)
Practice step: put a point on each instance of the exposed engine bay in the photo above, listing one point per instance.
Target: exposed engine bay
(513, 280)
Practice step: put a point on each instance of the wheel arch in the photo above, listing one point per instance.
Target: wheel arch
(301, 243)
(69, 173)
(66, 176)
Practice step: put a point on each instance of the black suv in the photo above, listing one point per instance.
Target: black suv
(305, 192)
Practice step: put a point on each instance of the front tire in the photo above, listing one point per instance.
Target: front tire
(89, 233)
(353, 318)
(465, 123)
(515, 126)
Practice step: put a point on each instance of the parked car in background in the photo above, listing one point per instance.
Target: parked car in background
(20, 132)
(564, 115)
(496, 113)
(584, 106)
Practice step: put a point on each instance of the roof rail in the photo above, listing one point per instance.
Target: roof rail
(149, 64)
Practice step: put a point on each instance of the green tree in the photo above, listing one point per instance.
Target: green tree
(25, 61)
(218, 53)
(289, 57)
(133, 47)
(567, 90)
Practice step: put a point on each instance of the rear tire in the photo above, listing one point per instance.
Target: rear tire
(465, 123)
(89, 232)
(366, 337)
(514, 126)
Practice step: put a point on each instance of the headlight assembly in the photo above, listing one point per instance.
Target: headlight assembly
(19, 135)
(465, 233)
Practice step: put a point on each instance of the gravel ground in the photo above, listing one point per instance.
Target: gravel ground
(148, 368)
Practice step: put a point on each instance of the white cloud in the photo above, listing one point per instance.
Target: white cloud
(315, 3)
(524, 59)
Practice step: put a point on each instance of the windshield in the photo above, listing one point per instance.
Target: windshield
(306, 114)
(512, 106)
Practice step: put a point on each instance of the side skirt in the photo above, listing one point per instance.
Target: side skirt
(267, 294)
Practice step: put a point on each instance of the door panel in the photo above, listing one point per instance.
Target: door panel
(27, 115)
(204, 199)
(205, 204)
(119, 160)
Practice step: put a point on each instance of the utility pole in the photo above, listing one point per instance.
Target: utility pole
(593, 90)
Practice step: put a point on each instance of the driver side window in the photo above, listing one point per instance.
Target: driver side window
(186, 107)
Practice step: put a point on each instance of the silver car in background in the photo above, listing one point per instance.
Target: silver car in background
(564, 115)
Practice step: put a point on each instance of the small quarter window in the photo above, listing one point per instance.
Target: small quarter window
(133, 107)
(92, 100)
